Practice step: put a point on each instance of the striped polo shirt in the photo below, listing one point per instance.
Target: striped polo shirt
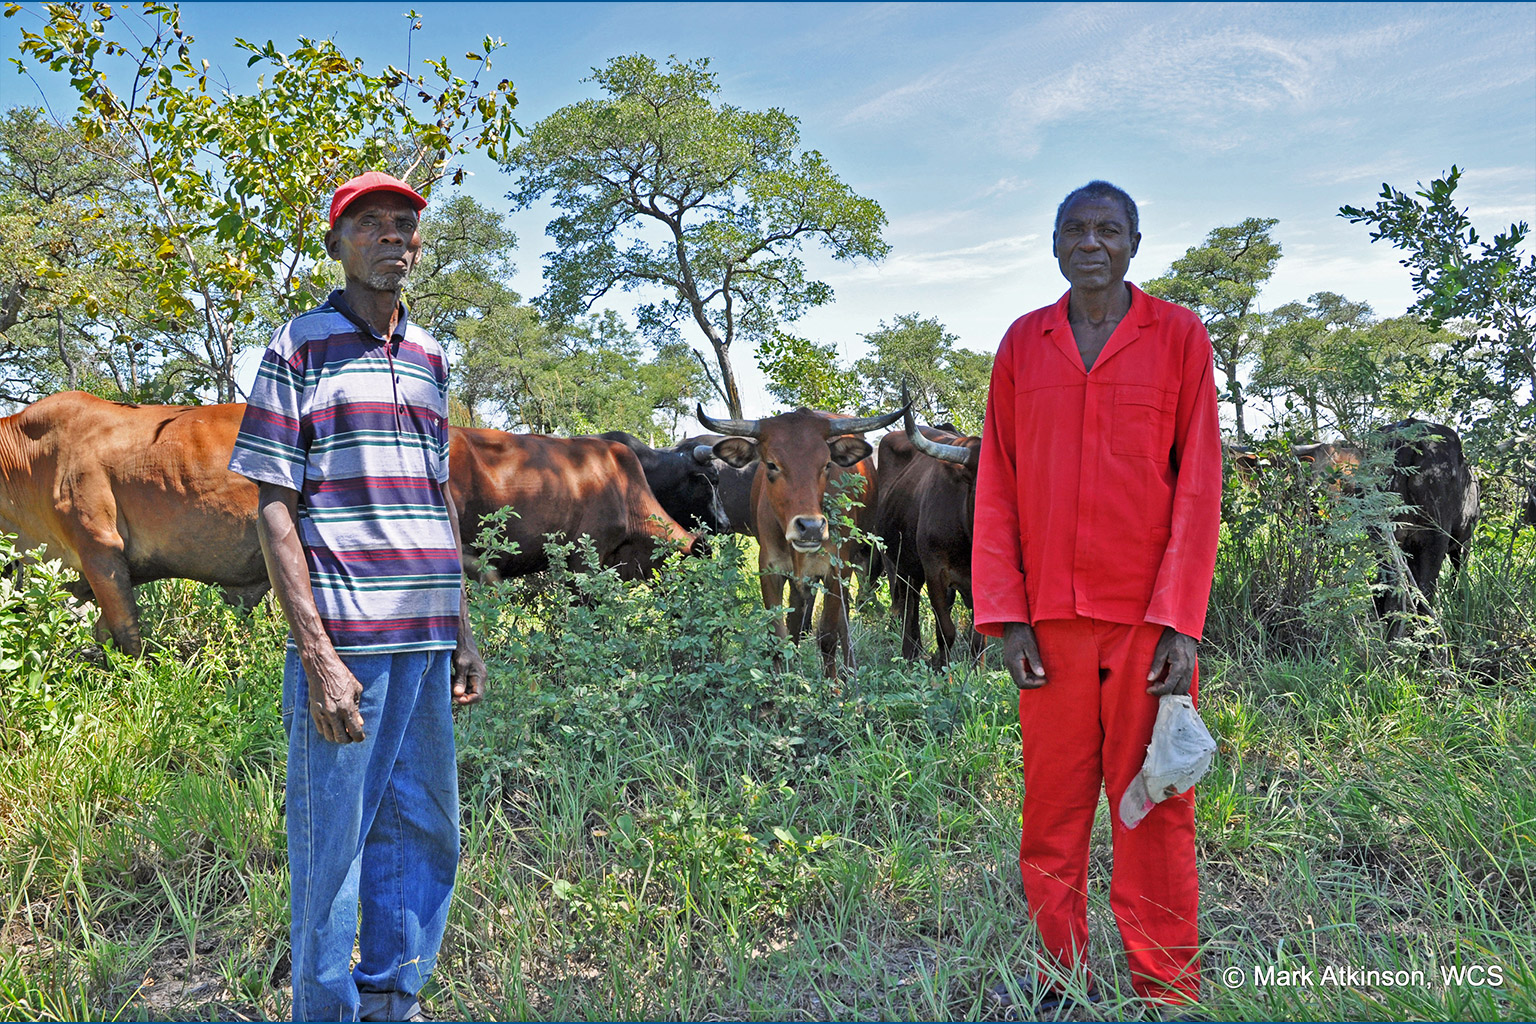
(359, 427)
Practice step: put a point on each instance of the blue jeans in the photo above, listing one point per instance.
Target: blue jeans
(374, 823)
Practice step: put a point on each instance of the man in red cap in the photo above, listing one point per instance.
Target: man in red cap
(346, 434)
(1097, 511)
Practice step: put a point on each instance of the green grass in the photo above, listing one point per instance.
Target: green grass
(658, 825)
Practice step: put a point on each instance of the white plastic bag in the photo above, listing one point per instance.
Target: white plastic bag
(1177, 758)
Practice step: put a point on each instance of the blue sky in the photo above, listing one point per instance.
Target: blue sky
(968, 122)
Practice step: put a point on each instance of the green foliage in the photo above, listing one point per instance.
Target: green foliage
(1340, 367)
(53, 188)
(460, 277)
(1219, 280)
(40, 640)
(584, 376)
(1297, 558)
(947, 383)
(1486, 372)
(801, 372)
(662, 188)
(657, 825)
(234, 186)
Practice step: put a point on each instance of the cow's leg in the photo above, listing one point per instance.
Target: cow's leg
(772, 585)
(977, 640)
(1425, 560)
(834, 626)
(106, 570)
(942, 600)
(904, 598)
(90, 516)
(802, 606)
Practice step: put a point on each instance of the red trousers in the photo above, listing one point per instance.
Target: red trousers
(1090, 724)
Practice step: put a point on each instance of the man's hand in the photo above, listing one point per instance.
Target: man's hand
(468, 669)
(1175, 656)
(1021, 656)
(334, 696)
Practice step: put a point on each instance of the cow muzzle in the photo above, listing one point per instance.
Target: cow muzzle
(806, 533)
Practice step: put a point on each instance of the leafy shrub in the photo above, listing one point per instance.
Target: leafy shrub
(41, 638)
(580, 661)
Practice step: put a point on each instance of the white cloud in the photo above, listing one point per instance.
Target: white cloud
(1214, 78)
(971, 264)
(1003, 186)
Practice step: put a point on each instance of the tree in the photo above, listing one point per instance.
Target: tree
(947, 383)
(584, 377)
(53, 193)
(235, 184)
(801, 372)
(1337, 359)
(1220, 281)
(1487, 373)
(663, 189)
(466, 260)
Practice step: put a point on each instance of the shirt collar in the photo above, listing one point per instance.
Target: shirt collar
(338, 302)
(1140, 313)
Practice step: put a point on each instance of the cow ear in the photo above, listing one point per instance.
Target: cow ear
(849, 450)
(736, 451)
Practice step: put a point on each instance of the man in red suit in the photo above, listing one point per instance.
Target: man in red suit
(1097, 510)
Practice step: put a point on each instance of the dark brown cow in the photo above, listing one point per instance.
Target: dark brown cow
(558, 485)
(925, 514)
(1433, 478)
(125, 494)
(803, 455)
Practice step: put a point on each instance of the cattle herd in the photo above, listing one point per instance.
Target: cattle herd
(124, 494)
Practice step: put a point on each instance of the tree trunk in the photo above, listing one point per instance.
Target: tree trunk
(1235, 389)
(728, 379)
(69, 364)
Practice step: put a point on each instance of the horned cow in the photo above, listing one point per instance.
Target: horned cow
(925, 515)
(803, 455)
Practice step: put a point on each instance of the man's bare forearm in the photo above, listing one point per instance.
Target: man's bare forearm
(277, 524)
(469, 673)
(334, 692)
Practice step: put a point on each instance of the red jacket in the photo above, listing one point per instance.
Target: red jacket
(1099, 493)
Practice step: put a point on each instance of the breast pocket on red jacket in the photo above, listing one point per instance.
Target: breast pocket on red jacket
(1142, 421)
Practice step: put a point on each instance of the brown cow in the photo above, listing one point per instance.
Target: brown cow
(125, 494)
(925, 514)
(803, 455)
(558, 485)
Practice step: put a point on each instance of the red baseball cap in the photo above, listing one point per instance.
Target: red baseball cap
(371, 181)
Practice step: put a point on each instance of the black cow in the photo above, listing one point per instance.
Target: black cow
(1433, 478)
(735, 484)
(685, 479)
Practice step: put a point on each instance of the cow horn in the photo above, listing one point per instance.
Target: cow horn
(859, 424)
(703, 454)
(735, 428)
(942, 452)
